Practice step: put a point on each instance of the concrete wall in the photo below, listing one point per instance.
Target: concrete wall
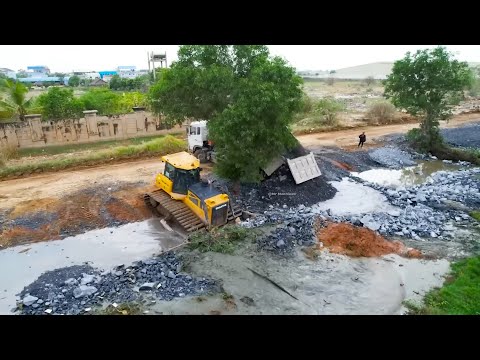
(37, 133)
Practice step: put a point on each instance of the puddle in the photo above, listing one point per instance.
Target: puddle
(334, 284)
(353, 198)
(103, 248)
(409, 176)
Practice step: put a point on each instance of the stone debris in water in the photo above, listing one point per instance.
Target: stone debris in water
(347, 239)
(428, 210)
(68, 297)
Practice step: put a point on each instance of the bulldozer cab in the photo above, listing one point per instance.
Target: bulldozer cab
(181, 178)
(181, 171)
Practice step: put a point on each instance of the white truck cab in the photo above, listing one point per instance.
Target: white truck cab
(197, 134)
(198, 143)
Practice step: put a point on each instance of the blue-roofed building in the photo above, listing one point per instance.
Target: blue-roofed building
(106, 75)
(44, 79)
(37, 71)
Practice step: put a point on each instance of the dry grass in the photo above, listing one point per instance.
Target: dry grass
(381, 113)
(8, 152)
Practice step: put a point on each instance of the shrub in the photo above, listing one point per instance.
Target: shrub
(328, 109)
(381, 112)
(221, 240)
(330, 81)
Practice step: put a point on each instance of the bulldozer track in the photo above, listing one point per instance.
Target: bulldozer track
(160, 203)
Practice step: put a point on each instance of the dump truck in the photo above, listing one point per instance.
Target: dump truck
(184, 198)
(199, 143)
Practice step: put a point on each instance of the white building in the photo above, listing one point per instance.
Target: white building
(127, 72)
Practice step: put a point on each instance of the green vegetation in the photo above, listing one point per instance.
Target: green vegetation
(248, 97)
(60, 104)
(318, 116)
(222, 240)
(476, 215)
(427, 84)
(459, 296)
(13, 102)
(139, 83)
(71, 148)
(129, 308)
(74, 81)
(160, 146)
(381, 112)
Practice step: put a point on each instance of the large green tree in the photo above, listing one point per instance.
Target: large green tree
(60, 104)
(74, 81)
(427, 84)
(13, 101)
(105, 101)
(247, 96)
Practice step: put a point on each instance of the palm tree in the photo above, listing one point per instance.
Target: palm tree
(12, 98)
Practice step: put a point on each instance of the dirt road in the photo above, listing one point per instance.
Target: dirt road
(349, 138)
(13, 192)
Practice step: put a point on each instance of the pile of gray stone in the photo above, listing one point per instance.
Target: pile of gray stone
(79, 289)
(392, 157)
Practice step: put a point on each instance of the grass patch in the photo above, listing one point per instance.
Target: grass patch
(222, 240)
(459, 296)
(476, 215)
(449, 153)
(71, 148)
(122, 309)
(159, 146)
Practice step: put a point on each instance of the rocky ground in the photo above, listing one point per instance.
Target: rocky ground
(428, 212)
(78, 289)
(465, 136)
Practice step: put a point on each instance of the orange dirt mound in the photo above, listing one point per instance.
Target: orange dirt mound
(346, 239)
(342, 165)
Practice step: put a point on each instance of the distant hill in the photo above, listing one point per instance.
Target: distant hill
(379, 70)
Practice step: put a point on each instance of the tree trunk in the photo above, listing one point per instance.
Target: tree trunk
(236, 188)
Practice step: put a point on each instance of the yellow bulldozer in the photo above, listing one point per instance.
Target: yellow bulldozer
(184, 198)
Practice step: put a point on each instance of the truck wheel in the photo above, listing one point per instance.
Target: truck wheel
(201, 155)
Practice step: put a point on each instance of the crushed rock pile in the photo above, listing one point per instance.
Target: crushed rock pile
(281, 190)
(392, 157)
(76, 289)
(295, 231)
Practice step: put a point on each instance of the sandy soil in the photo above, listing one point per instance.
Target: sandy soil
(348, 139)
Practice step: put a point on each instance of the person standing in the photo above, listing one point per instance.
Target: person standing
(362, 138)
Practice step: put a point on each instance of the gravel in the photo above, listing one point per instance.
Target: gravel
(392, 157)
(280, 190)
(61, 290)
(294, 227)
(465, 136)
(430, 210)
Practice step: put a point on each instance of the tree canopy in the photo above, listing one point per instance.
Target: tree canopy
(427, 84)
(13, 101)
(60, 104)
(247, 96)
(74, 81)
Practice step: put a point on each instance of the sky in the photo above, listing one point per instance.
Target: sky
(67, 58)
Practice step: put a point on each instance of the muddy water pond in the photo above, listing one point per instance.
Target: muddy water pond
(353, 198)
(333, 284)
(103, 248)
